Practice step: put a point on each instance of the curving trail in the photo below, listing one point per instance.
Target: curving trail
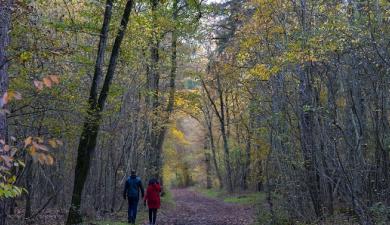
(193, 208)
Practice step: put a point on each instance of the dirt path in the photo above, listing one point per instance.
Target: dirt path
(195, 209)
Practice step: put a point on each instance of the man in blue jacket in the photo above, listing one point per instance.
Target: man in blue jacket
(133, 187)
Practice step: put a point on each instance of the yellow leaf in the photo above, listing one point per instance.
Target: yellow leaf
(53, 143)
(32, 150)
(178, 135)
(49, 160)
(261, 71)
(28, 141)
(39, 139)
(25, 56)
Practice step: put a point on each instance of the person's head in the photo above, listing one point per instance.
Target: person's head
(133, 172)
(153, 181)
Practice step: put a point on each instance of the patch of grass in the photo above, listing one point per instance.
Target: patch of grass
(167, 199)
(246, 198)
(108, 222)
(249, 198)
(121, 218)
(212, 193)
(264, 216)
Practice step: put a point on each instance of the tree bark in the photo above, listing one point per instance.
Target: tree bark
(5, 23)
(307, 139)
(29, 176)
(224, 134)
(207, 164)
(209, 123)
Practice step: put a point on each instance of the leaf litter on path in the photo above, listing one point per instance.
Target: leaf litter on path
(193, 208)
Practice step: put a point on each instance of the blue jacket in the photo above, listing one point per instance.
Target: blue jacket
(133, 186)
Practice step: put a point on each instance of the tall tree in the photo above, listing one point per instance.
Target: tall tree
(153, 101)
(92, 122)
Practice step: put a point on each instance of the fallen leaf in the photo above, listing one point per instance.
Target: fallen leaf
(38, 84)
(5, 98)
(53, 143)
(17, 95)
(49, 160)
(41, 158)
(40, 140)
(32, 150)
(28, 141)
(47, 82)
(40, 146)
(7, 160)
(59, 142)
(55, 79)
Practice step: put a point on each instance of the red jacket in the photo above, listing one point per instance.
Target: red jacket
(152, 196)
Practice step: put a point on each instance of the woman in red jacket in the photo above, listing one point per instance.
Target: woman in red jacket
(152, 197)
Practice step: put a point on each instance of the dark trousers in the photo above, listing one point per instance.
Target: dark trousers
(132, 211)
(152, 216)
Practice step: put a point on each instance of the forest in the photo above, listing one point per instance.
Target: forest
(269, 112)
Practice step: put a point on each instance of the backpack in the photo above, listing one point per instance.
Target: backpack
(133, 185)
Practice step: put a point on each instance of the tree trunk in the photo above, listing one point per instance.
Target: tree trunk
(267, 175)
(208, 119)
(29, 178)
(307, 138)
(224, 135)
(91, 127)
(207, 164)
(153, 80)
(247, 163)
(5, 23)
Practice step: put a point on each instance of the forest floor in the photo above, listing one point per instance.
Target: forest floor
(179, 207)
(193, 208)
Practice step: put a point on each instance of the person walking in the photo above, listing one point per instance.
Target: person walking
(152, 198)
(133, 187)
